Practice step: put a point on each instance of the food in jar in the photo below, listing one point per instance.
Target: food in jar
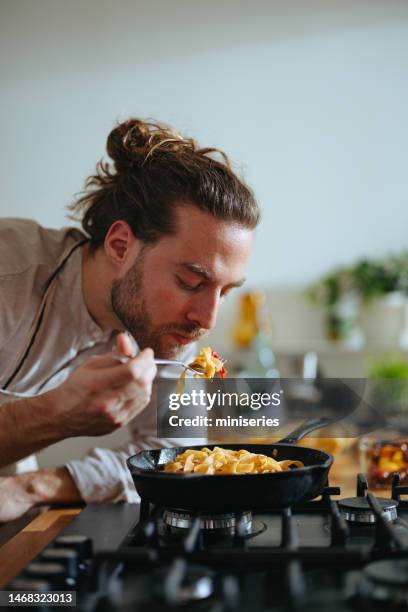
(384, 459)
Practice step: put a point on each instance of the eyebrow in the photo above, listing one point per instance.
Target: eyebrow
(198, 269)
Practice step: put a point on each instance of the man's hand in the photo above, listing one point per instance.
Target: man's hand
(99, 397)
(103, 394)
(14, 500)
(18, 494)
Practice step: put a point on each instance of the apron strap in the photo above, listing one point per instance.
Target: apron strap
(36, 324)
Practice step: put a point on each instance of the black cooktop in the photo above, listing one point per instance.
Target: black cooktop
(328, 554)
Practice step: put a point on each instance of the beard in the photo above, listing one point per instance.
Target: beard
(130, 307)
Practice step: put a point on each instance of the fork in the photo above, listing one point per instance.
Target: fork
(177, 362)
(182, 364)
(163, 362)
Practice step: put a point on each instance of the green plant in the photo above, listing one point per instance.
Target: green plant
(328, 292)
(367, 279)
(390, 367)
(391, 381)
(330, 288)
(378, 277)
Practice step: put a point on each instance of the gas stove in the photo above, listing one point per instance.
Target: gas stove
(328, 554)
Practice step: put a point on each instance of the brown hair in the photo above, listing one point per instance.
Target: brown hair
(153, 169)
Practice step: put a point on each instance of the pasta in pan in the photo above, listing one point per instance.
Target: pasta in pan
(226, 461)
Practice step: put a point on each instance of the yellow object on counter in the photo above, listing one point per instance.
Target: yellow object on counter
(248, 325)
(327, 445)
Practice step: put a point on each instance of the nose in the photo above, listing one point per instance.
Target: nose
(203, 311)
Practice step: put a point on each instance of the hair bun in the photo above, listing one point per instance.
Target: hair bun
(131, 143)
(152, 170)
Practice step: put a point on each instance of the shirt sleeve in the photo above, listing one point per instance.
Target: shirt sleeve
(103, 476)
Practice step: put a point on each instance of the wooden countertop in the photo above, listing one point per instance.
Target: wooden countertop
(37, 534)
(30, 541)
(344, 472)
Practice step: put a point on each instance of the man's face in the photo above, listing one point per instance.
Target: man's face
(171, 295)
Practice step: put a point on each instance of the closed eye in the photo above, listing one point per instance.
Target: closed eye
(187, 286)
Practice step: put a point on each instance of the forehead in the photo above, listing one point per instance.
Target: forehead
(202, 239)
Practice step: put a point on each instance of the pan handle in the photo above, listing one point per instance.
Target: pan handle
(305, 428)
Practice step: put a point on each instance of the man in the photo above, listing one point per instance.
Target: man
(167, 234)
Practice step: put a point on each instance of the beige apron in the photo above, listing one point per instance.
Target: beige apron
(22, 363)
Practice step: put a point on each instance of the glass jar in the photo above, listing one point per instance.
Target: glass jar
(383, 459)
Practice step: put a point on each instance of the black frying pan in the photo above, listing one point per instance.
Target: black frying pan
(234, 492)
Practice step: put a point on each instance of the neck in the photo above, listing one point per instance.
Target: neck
(96, 289)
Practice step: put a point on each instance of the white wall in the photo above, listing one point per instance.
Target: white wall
(309, 97)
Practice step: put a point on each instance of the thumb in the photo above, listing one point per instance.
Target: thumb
(141, 368)
(125, 345)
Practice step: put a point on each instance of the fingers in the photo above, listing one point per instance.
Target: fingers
(102, 394)
(129, 411)
(124, 348)
(125, 345)
(141, 369)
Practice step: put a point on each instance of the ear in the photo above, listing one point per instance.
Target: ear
(120, 242)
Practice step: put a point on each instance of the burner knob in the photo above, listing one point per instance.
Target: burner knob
(80, 543)
(67, 557)
(383, 585)
(54, 573)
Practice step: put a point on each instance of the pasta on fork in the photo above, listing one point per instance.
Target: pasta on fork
(208, 363)
(227, 461)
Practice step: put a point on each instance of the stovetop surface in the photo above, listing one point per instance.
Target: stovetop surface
(306, 558)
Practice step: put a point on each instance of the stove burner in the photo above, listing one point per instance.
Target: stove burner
(227, 522)
(358, 509)
(385, 582)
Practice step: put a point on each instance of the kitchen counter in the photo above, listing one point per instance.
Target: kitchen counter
(28, 542)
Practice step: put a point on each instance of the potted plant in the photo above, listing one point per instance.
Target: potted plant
(336, 293)
(388, 390)
(369, 297)
(382, 285)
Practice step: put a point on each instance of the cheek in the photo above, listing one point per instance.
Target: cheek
(166, 304)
